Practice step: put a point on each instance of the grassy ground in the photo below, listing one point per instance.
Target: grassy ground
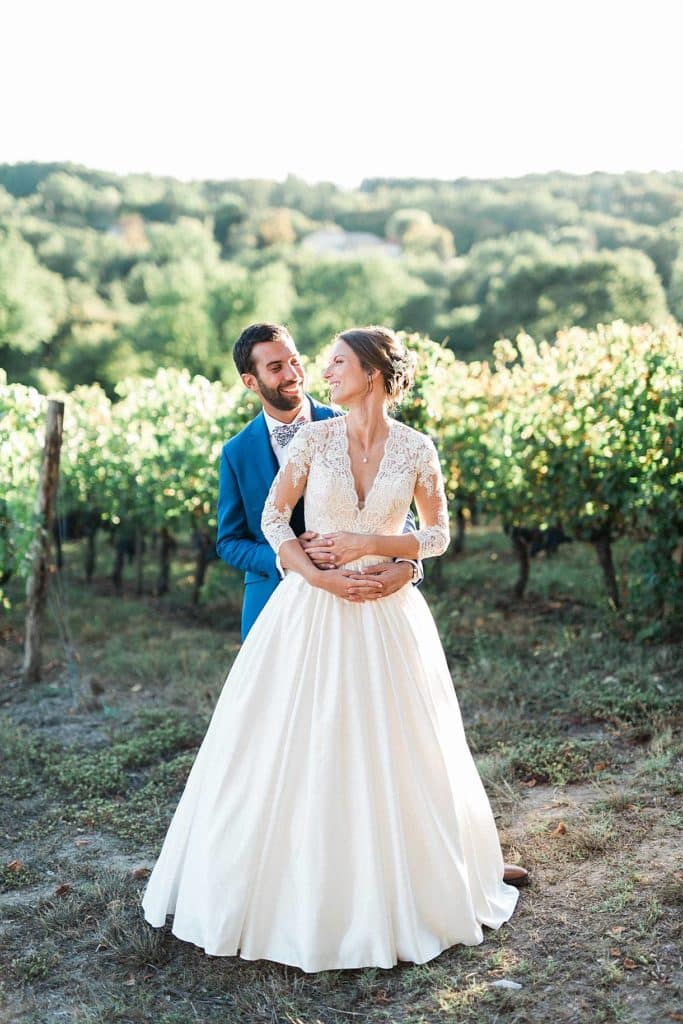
(574, 728)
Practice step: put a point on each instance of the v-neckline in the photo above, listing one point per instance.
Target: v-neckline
(360, 508)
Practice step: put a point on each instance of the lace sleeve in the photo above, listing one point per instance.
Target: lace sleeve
(430, 498)
(287, 488)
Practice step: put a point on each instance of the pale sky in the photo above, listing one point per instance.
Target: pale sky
(342, 91)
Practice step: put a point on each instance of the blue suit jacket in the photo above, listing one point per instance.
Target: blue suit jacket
(247, 469)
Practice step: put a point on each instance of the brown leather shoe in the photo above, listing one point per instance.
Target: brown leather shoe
(515, 875)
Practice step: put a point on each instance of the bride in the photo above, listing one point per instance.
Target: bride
(334, 817)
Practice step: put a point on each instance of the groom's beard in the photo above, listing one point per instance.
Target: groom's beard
(285, 403)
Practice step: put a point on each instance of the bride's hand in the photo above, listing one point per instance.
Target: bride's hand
(346, 547)
(349, 585)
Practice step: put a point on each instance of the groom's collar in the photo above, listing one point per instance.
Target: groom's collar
(306, 413)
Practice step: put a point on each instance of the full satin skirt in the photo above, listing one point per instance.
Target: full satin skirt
(333, 817)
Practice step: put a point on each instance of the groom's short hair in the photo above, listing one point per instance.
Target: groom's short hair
(252, 335)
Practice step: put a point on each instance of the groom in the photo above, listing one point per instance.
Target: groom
(269, 365)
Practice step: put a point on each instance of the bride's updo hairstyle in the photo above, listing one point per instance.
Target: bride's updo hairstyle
(378, 348)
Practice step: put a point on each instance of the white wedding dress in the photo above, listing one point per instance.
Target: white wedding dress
(334, 816)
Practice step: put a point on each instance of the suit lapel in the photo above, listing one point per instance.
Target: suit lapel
(265, 462)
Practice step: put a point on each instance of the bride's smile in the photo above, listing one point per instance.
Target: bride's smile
(345, 376)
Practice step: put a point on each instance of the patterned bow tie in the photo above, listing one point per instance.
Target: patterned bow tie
(284, 434)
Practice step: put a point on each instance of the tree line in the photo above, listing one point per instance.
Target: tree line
(104, 277)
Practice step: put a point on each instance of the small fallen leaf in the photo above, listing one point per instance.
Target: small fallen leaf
(616, 931)
(15, 865)
(629, 964)
(615, 951)
(140, 872)
(530, 783)
(130, 980)
(600, 766)
(560, 830)
(63, 889)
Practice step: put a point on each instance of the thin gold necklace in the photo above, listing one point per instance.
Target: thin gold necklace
(364, 458)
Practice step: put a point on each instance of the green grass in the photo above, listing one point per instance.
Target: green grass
(123, 785)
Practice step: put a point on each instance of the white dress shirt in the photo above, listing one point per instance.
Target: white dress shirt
(271, 423)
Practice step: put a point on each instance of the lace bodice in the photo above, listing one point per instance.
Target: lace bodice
(319, 467)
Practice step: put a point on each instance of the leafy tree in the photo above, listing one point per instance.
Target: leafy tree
(335, 294)
(174, 327)
(417, 233)
(32, 299)
(665, 247)
(67, 197)
(275, 227)
(317, 201)
(238, 297)
(85, 342)
(23, 179)
(676, 287)
(612, 232)
(64, 194)
(187, 240)
(544, 297)
(493, 261)
(232, 210)
(6, 202)
(70, 252)
(177, 200)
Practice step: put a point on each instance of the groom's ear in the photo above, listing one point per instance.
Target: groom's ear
(249, 380)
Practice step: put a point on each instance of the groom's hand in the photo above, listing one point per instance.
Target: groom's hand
(393, 575)
(317, 549)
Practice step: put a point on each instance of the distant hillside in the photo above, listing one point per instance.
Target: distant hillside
(103, 275)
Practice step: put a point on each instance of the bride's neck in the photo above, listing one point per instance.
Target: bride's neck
(367, 421)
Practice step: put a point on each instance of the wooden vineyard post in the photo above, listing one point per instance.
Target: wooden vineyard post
(36, 588)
